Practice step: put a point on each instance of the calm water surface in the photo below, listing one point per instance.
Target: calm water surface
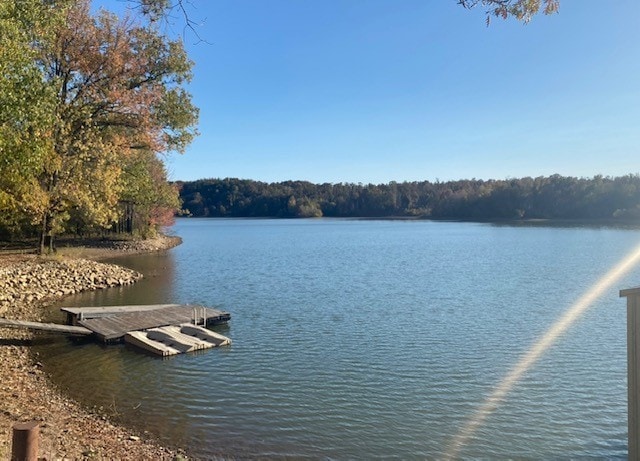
(371, 339)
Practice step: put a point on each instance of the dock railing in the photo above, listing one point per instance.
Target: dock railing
(197, 310)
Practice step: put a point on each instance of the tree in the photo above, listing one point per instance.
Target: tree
(119, 101)
(522, 10)
(146, 189)
(27, 104)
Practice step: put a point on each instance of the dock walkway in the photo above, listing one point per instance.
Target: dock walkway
(51, 327)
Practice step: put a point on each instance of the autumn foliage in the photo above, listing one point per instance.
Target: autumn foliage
(89, 102)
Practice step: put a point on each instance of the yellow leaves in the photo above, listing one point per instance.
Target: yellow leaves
(551, 6)
(523, 10)
(83, 98)
(7, 202)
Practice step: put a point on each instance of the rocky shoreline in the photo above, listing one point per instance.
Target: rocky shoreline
(37, 279)
(28, 285)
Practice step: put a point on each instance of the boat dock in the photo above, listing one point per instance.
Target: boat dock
(164, 329)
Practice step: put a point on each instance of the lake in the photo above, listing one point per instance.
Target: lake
(361, 339)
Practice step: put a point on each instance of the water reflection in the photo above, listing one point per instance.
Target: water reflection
(156, 287)
(570, 224)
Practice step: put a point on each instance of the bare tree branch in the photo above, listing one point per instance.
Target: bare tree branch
(162, 10)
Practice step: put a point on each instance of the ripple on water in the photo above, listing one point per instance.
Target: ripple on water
(356, 340)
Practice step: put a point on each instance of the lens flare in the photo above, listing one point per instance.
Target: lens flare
(538, 349)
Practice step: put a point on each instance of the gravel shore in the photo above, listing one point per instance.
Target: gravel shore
(28, 285)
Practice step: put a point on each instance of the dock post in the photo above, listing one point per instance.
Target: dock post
(633, 371)
(25, 441)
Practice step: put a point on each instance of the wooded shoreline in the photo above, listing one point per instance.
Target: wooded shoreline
(29, 285)
(552, 197)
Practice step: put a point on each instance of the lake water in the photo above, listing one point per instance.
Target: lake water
(362, 339)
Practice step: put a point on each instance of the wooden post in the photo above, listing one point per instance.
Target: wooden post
(633, 370)
(25, 441)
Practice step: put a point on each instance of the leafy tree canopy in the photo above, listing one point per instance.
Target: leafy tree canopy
(89, 102)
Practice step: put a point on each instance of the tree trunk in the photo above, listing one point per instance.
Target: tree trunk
(46, 235)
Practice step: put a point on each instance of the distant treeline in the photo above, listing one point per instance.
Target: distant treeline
(553, 197)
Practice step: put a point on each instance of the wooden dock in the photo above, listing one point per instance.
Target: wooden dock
(112, 323)
(164, 329)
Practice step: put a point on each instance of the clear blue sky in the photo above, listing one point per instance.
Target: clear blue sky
(374, 91)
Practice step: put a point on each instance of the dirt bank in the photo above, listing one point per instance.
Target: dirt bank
(28, 285)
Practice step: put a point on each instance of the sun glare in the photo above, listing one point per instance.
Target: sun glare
(538, 349)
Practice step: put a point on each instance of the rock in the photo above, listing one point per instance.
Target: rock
(26, 281)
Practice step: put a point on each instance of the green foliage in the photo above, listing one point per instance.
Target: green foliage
(178, 116)
(145, 185)
(553, 197)
(27, 104)
(154, 8)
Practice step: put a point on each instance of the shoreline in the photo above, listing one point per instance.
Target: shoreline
(29, 285)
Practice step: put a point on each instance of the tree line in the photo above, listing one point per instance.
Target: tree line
(88, 102)
(545, 197)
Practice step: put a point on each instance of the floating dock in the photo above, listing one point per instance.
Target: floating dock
(178, 339)
(164, 329)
